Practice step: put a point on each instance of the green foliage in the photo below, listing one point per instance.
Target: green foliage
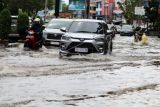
(22, 24)
(128, 7)
(152, 10)
(152, 14)
(29, 6)
(5, 23)
(3, 4)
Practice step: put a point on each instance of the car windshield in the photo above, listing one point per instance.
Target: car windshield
(57, 24)
(88, 27)
(127, 27)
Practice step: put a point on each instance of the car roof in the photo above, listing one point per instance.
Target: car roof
(90, 20)
(61, 19)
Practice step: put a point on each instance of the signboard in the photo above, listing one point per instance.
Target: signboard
(76, 4)
(139, 11)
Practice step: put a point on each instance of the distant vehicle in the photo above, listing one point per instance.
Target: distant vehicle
(14, 35)
(127, 30)
(86, 36)
(52, 33)
(118, 25)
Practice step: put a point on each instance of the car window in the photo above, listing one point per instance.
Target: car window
(127, 27)
(88, 27)
(57, 24)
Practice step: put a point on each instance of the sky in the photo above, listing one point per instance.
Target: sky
(66, 1)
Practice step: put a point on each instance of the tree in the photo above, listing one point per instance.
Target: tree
(128, 7)
(3, 4)
(29, 6)
(64, 7)
(151, 11)
(5, 23)
(22, 24)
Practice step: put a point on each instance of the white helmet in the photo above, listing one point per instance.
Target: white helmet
(37, 20)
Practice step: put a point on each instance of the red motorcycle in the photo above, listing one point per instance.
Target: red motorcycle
(32, 42)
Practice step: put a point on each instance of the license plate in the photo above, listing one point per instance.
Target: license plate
(54, 43)
(81, 49)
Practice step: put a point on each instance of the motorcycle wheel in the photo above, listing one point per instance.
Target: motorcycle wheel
(26, 47)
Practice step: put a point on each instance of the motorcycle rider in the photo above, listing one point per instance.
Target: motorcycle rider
(138, 34)
(37, 28)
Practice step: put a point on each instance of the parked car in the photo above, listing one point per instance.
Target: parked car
(86, 36)
(127, 30)
(52, 33)
(14, 35)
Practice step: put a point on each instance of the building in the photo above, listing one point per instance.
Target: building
(92, 10)
(102, 8)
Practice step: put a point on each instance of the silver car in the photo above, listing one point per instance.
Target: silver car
(52, 33)
(127, 30)
(86, 36)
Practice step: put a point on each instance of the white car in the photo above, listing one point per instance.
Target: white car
(52, 33)
(127, 30)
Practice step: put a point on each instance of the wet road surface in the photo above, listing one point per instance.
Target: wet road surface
(127, 77)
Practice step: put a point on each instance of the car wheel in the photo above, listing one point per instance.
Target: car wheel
(105, 48)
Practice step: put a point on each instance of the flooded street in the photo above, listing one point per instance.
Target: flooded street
(130, 76)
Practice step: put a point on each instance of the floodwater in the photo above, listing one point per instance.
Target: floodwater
(127, 77)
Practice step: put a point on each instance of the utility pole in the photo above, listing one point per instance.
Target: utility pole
(45, 10)
(57, 8)
(87, 8)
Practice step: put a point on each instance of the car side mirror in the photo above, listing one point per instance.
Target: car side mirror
(43, 27)
(109, 31)
(63, 29)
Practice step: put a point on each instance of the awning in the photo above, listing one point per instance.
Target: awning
(117, 11)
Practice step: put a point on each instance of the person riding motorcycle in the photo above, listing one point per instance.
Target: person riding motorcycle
(138, 34)
(37, 28)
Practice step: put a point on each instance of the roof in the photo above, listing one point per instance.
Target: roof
(90, 20)
(62, 19)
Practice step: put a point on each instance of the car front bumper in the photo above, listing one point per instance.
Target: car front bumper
(81, 47)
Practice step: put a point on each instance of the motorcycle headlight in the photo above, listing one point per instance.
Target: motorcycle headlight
(66, 37)
(30, 32)
(99, 39)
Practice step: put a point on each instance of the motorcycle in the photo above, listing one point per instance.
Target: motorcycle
(138, 34)
(31, 41)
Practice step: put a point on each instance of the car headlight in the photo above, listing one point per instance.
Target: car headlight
(44, 34)
(99, 39)
(66, 38)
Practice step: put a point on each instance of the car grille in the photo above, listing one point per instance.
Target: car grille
(72, 46)
(54, 36)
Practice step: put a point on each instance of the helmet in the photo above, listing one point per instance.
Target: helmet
(37, 20)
